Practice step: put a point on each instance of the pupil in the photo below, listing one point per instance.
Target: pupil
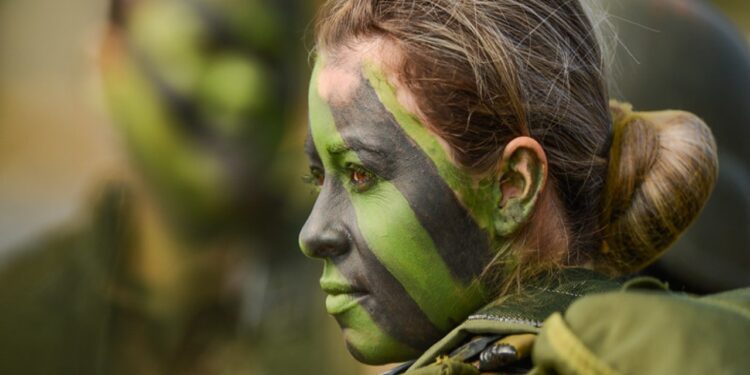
(359, 177)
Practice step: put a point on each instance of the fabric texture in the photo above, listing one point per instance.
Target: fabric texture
(587, 324)
(646, 332)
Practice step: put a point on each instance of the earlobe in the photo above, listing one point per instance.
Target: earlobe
(522, 178)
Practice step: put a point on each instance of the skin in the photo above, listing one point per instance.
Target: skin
(403, 231)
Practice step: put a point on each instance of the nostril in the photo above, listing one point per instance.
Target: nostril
(325, 243)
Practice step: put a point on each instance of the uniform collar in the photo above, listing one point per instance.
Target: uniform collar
(522, 312)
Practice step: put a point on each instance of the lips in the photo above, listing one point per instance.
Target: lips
(341, 297)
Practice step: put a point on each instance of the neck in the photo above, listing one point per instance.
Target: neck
(547, 238)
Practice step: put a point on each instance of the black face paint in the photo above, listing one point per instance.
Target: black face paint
(365, 121)
(401, 251)
(387, 302)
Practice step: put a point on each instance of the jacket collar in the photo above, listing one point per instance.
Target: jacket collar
(522, 312)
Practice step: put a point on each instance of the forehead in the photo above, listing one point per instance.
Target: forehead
(343, 101)
(353, 103)
(340, 71)
(347, 113)
(336, 84)
(364, 101)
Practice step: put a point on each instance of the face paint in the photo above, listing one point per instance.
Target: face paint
(478, 195)
(401, 250)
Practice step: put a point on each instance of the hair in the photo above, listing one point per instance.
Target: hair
(629, 183)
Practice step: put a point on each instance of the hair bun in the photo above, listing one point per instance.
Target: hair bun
(662, 169)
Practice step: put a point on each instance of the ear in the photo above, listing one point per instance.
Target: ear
(522, 178)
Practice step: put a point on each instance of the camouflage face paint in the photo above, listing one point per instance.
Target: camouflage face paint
(401, 249)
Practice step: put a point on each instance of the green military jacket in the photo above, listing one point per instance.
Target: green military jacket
(583, 323)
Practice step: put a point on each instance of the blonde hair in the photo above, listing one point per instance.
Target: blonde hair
(505, 68)
(663, 166)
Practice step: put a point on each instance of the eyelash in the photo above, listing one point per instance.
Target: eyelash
(314, 178)
(360, 178)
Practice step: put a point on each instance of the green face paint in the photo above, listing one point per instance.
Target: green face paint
(392, 221)
(365, 339)
(477, 195)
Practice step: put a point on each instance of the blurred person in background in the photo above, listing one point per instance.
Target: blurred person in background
(184, 266)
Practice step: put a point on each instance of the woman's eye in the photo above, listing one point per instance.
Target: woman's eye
(360, 178)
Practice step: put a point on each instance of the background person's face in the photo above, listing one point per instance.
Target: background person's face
(193, 90)
(401, 250)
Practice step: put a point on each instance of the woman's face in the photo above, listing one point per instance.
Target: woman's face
(402, 231)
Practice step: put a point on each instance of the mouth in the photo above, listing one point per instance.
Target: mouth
(341, 297)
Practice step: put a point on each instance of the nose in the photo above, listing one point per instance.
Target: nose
(325, 243)
(323, 236)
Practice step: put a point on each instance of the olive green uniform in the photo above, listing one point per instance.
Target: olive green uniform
(586, 324)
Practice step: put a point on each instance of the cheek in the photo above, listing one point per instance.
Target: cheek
(396, 237)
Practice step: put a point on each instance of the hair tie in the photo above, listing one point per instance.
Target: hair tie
(621, 114)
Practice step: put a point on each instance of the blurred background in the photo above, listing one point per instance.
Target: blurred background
(150, 177)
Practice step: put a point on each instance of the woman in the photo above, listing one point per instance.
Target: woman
(474, 181)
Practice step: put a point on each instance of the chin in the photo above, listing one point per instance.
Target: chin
(374, 348)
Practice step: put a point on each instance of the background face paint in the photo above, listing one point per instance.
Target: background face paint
(404, 247)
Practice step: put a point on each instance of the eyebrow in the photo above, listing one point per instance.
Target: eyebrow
(338, 148)
(356, 147)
